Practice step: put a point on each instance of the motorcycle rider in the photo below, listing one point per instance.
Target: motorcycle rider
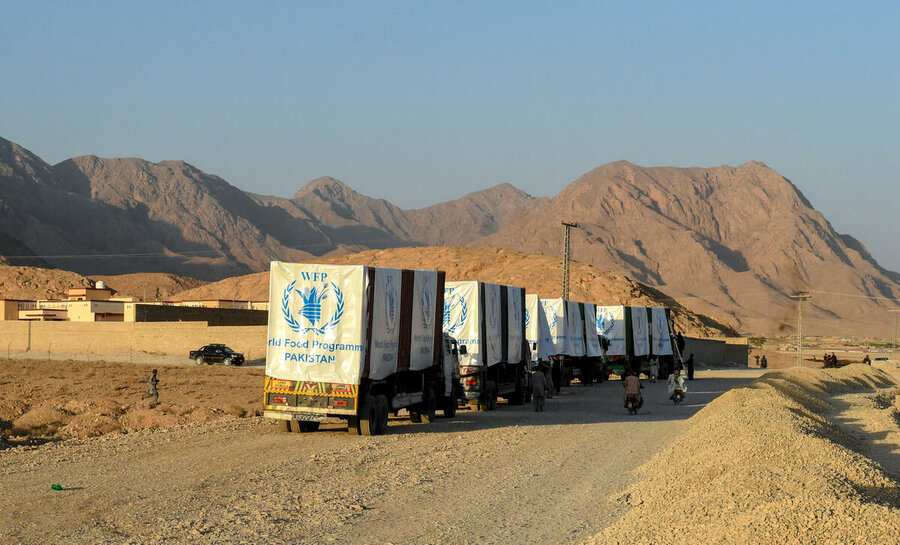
(676, 382)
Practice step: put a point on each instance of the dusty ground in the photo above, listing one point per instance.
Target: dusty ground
(509, 476)
(48, 400)
(800, 456)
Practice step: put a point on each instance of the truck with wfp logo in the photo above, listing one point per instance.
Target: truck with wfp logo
(356, 343)
(635, 335)
(488, 321)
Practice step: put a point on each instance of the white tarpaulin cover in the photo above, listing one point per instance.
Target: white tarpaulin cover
(640, 331)
(591, 341)
(421, 353)
(659, 332)
(463, 316)
(515, 318)
(385, 324)
(462, 319)
(317, 322)
(537, 330)
(611, 324)
(576, 328)
(492, 318)
(555, 309)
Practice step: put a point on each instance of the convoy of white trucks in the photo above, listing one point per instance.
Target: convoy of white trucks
(358, 343)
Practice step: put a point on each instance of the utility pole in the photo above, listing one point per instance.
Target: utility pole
(800, 296)
(894, 344)
(565, 287)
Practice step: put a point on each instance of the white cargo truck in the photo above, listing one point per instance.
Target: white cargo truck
(588, 367)
(488, 321)
(537, 330)
(356, 343)
(628, 331)
(560, 323)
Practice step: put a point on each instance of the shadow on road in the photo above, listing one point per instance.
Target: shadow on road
(579, 405)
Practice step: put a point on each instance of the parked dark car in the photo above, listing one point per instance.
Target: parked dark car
(216, 353)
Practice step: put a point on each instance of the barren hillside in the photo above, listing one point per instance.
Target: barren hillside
(539, 274)
(733, 242)
(41, 283)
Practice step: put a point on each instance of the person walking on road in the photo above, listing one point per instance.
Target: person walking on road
(690, 366)
(152, 389)
(763, 363)
(538, 390)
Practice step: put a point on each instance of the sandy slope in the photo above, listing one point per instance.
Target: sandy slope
(779, 462)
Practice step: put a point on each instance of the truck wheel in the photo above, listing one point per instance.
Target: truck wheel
(353, 425)
(227, 361)
(381, 405)
(199, 360)
(430, 408)
(449, 407)
(518, 396)
(285, 426)
(368, 417)
(306, 427)
(493, 398)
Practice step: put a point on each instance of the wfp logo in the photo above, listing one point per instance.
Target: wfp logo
(605, 322)
(552, 317)
(453, 300)
(527, 318)
(310, 309)
(427, 306)
(390, 305)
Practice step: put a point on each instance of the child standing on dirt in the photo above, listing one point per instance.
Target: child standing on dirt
(152, 391)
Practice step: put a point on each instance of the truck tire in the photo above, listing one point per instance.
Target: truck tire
(493, 397)
(199, 360)
(449, 407)
(353, 425)
(227, 361)
(285, 426)
(429, 407)
(305, 427)
(381, 406)
(368, 417)
(518, 396)
(488, 400)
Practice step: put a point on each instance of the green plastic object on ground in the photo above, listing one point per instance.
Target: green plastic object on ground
(55, 487)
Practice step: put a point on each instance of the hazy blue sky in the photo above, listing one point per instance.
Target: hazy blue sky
(418, 102)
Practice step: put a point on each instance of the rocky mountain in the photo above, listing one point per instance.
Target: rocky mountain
(730, 242)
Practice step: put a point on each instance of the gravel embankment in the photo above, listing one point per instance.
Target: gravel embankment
(781, 461)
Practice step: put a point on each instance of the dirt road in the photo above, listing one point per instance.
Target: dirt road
(508, 476)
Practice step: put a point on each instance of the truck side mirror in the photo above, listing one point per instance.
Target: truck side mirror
(462, 349)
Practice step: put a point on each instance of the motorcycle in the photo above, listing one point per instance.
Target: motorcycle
(632, 403)
(677, 396)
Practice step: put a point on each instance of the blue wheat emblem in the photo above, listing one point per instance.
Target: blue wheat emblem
(552, 318)
(310, 308)
(605, 322)
(428, 307)
(451, 301)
